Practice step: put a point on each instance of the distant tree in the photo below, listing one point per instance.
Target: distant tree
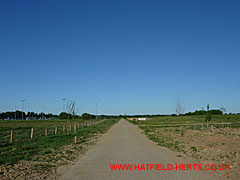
(49, 115)
(42, 115)
(71, 109)
(223, 110)
(31, 114)
(63, 115)
(19, 114)
(179, 106)
(86, 116)
(208, 116)
(215, 112)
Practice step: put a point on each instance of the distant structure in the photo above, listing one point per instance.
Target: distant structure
(138, 119)
(132, 119)
(141, 119)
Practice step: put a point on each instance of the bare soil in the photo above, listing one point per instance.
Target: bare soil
(216, 146)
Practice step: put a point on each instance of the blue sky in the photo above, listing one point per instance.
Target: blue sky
(132, 57)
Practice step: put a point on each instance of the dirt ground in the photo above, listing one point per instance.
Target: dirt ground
(216, 146)
(49, 166)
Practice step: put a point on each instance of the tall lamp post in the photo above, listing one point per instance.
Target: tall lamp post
(15, 112)
(96, 110)
(23, 107)
(63, 104)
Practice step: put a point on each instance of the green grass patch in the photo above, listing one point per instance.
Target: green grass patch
(176, 120)
(26, 149)
(161, 139)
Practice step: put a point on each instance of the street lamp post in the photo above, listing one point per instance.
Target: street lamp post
(15, 112)
(23, 107)
(96, 110)
(63, 104)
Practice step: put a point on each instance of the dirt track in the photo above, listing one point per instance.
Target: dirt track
(124, 143)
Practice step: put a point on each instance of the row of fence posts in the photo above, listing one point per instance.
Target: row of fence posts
(69, 129)
(202, 126)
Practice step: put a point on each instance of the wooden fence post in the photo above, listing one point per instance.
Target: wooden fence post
(31, 133)
(46, 131)
(75, 139)
(11, 136)
(56, 130)
(75, 128)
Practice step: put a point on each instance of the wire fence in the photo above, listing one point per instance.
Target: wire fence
(10, 135)
(197, 126)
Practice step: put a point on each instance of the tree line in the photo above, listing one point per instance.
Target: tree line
(87, 116)
(20, 115)
(29, 115)
(203, 112)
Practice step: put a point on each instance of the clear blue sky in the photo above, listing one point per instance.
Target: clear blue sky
(132, 57)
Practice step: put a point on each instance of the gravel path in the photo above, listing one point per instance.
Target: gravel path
(124, 143)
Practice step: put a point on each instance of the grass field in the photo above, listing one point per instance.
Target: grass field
(200, 119)
(24, 148)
